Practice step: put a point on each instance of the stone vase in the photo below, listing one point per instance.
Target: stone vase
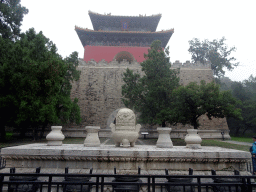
(92, 137)
(164, 140)
(192, 139)
(55, 137)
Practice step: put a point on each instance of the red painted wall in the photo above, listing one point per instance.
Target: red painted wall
(108, 52)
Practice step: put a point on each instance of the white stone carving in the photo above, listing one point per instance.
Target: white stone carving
(125, 131)
(92, 137)
(193, 140)
(55, 137)
(164, 139)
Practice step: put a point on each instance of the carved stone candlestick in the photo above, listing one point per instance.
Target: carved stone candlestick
(55, 137)
(92, 137)
(164, 140)
(192, 139)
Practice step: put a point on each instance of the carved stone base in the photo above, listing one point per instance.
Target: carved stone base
(148, 157)
(192, 139)
(164, 140)
(92, 137)
(55, 137)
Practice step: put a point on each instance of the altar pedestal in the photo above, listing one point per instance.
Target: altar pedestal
(148, 157)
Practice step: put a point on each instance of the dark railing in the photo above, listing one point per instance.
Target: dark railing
(249, 167)
(33, 182)
(2, 163)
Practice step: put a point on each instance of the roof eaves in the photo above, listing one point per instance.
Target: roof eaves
(144, 32)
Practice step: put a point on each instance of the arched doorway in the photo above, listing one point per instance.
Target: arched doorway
(124, 55)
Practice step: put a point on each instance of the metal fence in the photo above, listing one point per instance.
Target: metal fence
(2, 163)
(21, 182)
(249, 166)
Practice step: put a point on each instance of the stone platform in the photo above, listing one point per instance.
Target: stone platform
(106, 157)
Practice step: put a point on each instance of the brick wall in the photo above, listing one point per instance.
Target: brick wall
(99, 90)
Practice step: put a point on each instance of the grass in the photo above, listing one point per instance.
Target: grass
(242, 139)
(217, 143)
(73, 141)
(16, 141)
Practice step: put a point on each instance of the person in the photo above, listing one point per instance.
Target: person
(253, 151)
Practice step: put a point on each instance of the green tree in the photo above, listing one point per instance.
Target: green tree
(193, 100)
(216, 52)
(11, 16)
(246, 92)
(151, 94)
(35, 83)
(224, 82)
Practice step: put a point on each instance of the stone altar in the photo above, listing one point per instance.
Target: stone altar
(106, 157)
(94, 155)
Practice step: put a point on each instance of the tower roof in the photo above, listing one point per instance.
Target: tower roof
(86, 35)
(109, 22)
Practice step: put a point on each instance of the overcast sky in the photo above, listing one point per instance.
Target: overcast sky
(203, 19)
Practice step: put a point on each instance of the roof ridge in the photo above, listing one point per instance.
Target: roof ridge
(109, 14)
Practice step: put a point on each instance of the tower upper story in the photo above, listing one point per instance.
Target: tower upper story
(128, 36)
(124, 23)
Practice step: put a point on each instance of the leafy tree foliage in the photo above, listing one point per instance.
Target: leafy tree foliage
(224, 82)
(246, 92)
(151, 95)
(35, 83)
(11, 16)
(193, 101)
(216, 52)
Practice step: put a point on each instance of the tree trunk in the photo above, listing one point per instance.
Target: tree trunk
(35, 131)
(237, 131)
(2, 133)
(23, 132)
(245, 129)
(42, 131)
(195, 122)
(163, 124)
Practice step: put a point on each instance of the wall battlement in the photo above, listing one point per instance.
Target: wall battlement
(188, 64)
(103, 63)
(125, 63)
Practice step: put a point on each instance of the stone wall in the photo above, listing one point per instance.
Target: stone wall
(99, 90)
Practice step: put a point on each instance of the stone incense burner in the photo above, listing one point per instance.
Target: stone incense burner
(125, 131)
